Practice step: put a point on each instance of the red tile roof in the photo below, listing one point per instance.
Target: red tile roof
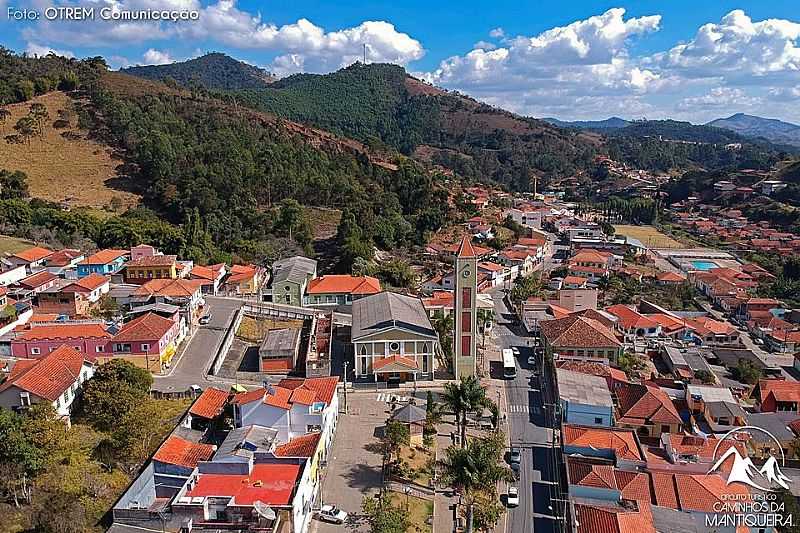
(277, 366)
(593, 369)
(621, 441)
(49, 376)
(103, 257)
(37, 280)
(596, 519)
(88, 283)
(783, 390)
(324, 388)
(670, 277)
(147, 327)
(241, 272)
(63, 257)
(466, 249)
(152, 261)
(270, 483)
(65, 331)
(177, 451)
(667, 322)
(210, 403)
(342, 283)
(645, 404)
(630, 319)
(174, 288)
(35, 253)
(687, 492)
(578, 331)
(706, 325)
(304, 446)
(291, 390)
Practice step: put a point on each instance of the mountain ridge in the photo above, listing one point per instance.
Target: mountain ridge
(772, 129)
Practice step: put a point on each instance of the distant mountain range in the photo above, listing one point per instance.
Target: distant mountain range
(212, 71)
(773, 130)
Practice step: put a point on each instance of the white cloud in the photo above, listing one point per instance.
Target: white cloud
(739, 49)
(724, 98)
(497, 33)
(156, 57)
(484, 45)
(34, 49)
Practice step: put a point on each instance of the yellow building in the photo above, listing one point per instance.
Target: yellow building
(144, 269)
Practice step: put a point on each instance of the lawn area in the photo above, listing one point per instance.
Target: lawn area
(419, 511)
(648, 235)
(13, 245)
(255, 329)
(66, 164)
(417, 464)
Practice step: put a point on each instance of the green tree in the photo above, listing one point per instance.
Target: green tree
(396, 273)
(396, 435)
(116, 388)
(40, 115)
(26, 129)
(468, 396)
(705, 376)
(13, 184)
(25, 90)
(382, 516)
(747, 372)
(525, 287)
(443, 324)
(106, 308)
(631, 363)
(475, 470)
(68, 82)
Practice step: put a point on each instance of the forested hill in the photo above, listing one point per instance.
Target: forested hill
(381, 105)
(211, 71)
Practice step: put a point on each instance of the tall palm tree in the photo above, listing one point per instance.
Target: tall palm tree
(474, 469)
(463, 398)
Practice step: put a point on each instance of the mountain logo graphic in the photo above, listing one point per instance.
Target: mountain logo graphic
(744, 471)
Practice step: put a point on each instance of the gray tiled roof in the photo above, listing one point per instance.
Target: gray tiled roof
(582, 388)
(295, 269)
(245, 441)
(280, 342)
(387, 309)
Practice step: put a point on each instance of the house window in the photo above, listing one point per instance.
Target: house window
(425, 364)
(664, 428)
(98, 349)
(598, 420)
(364, 365)
(466, 321)
(145, 347)
(124, 348)
(35, 351)
(394, 346)
(25, 399)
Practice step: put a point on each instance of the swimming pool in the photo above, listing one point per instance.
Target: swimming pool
(704, 265)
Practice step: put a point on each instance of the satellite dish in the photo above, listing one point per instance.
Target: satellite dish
(264, 510)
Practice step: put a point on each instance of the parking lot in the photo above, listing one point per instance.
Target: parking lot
(354, 467)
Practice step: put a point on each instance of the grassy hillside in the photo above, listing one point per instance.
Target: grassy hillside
(65, 164)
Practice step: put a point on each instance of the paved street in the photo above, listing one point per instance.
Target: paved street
(195, 356)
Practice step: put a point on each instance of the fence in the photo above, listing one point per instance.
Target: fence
(227, 340)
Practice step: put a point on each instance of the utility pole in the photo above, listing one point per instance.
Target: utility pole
(345, 387)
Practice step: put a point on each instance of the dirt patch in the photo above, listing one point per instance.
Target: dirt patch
(64, 165)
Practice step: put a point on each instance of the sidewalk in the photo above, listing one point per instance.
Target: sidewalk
(443, 512)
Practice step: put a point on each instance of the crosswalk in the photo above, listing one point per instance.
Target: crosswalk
(524, 409)
(389, 397)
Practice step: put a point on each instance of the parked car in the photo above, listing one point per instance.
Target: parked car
(759, 342)
(205, 319)
(515, 351)
(512, 498)
(329, 513)
(532, 360)
(514, 457)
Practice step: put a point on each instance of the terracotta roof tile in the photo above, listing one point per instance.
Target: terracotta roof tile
(35, 253)
(270, 483)
(49, 376)
(65, 331)
(342, 283)
(147, 327)
(630, 319)
(466, 249)
(87, 283)
(177, 451)
(578, 331)
(622, 442)
(103, 257)
(174, 288)
(647, 404)
(63, 257)
(210, 403)
(303, 446)
(597, 519)
(37, 280)
(153, 260)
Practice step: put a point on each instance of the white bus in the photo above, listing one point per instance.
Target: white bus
(509, 367)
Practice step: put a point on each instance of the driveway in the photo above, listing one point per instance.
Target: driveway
(197, 353)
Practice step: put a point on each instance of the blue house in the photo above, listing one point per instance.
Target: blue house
(103, 262)
(585, 399)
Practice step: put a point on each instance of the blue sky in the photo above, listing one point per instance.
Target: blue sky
(572, 60)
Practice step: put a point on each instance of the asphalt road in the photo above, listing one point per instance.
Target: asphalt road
(196, 355)
(527, 411)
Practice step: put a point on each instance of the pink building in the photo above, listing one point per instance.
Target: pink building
(89, 338)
